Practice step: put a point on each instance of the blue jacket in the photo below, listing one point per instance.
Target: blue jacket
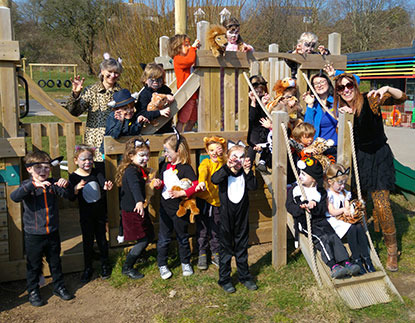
(314, 114)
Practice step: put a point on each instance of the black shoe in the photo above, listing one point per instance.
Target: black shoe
(360, 264)
(132, 273)
(105, 272)
(369, 265)
(250, 284)
(63, 293)
(228, 287)
(35, 299)
(86, 275)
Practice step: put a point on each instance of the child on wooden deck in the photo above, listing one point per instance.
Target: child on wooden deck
(325, 239)
(338, 206)
(184, 57)
(153, 80)
(176, 167)
(132, 174)
(39, 195)
(207, 224)
(89, 185)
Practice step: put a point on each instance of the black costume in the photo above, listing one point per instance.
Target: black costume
(234, 221)
(92, 215)
(257, 134)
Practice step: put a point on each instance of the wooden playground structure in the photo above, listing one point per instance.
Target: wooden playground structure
(222, 111)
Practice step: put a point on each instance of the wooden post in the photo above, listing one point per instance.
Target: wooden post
(344, 149)
(202, 28)
(180, 16)
(335, 43)
(164, 46)
(273, 67)
(279, 189)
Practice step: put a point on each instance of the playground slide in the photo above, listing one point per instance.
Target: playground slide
(405, 180)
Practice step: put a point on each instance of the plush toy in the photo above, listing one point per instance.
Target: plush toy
(149, 187)
(158, 102)
(319, 146)
(216, 38)
(357, 212)
(186, 204)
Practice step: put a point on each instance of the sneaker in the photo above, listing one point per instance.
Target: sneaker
(86, 275)
(187, 270)
(202, 262)
(353, 269)
(63, 293)
(105, 272)
(35, 299)
(369, 265)
(165, 272)
(250, 284)
(338, 271)
(215, 259)
(228, 287)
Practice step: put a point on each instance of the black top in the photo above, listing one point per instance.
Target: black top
(256, 132)
(133, 188)
(368, 128)
(41, 212)
(183, 171)
(93, 181)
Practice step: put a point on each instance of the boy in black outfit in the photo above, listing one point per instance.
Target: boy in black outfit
(40, 223)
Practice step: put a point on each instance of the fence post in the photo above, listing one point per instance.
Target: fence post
(180, 16)
(279, 190)
(335, 43)
(164, 46)
(201, 31)
(273, 67)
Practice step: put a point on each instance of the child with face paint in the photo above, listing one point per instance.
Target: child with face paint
(333, 253)
(132, 174)
(184, 57)
(176, 167)
(89, 185)
(338, 204)
(235, 42)
(207, 225)
(234, 179)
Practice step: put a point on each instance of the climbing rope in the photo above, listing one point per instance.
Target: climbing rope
(308, 215)
(359, 194)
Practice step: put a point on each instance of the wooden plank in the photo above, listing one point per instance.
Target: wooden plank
(36, 133)
(15, 225)
(12, 147)
(70, 145)
(344, 148)
(243, 102)
(265, 70)
(195, 140)
(205, 58)
(113, 203)
(78, 128)
(9, 50)
(279, 187)
(229, 92)
(203, 111)
(53, 135)
(182, 95)
(3, 205)
(47, 102)
(3, 219)
(9, 107)
(4, 249)
(215, 104)
(4, 233)
(3, 191)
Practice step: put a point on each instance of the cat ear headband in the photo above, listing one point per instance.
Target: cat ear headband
(340, 173)
(239, 143)
(84, 147)
(178, 138)
(107, 56)
(138, 143)
(53, 162)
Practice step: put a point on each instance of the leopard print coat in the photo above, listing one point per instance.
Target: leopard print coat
(93, 100)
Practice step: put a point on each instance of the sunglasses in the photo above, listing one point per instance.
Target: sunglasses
(255, 84)
(341, 87)
(321, 83)
(159, 80)
(310, 44)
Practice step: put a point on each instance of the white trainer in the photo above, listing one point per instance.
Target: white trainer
(187, 270)
(165, 272)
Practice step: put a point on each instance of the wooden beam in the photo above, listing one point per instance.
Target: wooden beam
(195, 140)
(113, 201)
(9, 106)
(15, 224)
(215, 106)
(182, 95)
(229, 93)
(46, 101)
(12, 147)
(9, 51)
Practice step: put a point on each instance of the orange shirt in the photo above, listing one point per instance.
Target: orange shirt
(182, 65)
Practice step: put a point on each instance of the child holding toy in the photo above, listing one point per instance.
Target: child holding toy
(234, 179)
(184, 57)
(325, 239)
(132, 174)
(153, 80)
(39, 195)
(339, 208)
(176, 167)
(89, 185)
(208, 220)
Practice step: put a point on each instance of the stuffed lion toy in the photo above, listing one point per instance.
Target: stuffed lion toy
(320, 145)
(186, 204)
(216, 38)
(158, 102)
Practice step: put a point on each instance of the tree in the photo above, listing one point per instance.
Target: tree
(82, 21)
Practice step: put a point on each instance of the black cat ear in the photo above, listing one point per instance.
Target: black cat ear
(178, 138)
(56, 161)
(143, 65)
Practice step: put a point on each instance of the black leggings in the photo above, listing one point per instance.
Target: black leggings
(358, 243)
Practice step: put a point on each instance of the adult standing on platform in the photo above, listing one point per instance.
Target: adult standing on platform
(374, 156)
(94, 100)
